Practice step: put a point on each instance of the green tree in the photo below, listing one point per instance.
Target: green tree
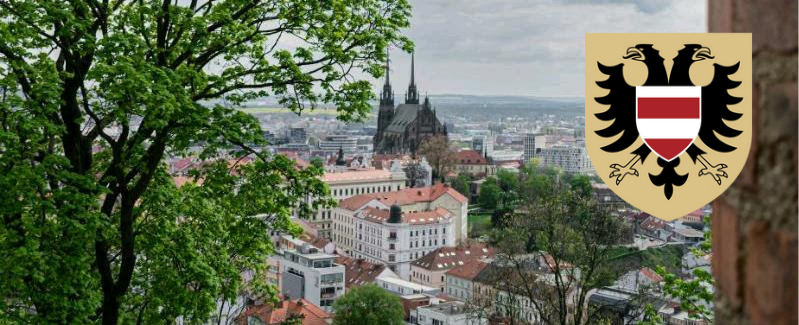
(318, 162)
(367, 305)
(490, 194)
(461, 184)
(566, 228)
(508, 181)
(97, 94)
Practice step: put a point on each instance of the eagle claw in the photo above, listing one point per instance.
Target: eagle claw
(620, 171)
(716, 171)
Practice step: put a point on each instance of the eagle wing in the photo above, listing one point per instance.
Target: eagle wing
(715, 98)
(621, 99)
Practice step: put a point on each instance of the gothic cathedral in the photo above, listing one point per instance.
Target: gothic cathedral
(401, 129)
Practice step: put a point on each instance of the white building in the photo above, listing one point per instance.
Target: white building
(345, 184)
(310, 274)
(570, 159)
(447, 313)
(423, 220)
(402, 287)
(332, 143)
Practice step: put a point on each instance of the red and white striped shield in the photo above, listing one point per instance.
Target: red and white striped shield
(668, 118)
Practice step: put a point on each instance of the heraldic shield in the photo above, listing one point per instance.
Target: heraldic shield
(668, 117)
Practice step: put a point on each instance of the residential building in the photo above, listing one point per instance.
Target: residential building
(447, 313)
(345, 184)
(570, 159)
(430, 269)
(429, 218)
(690, 235)
(286, 310)
(312, 275)
(413, 301)
(473, 163)
(459, 281)
(359, 272)
(402, 287)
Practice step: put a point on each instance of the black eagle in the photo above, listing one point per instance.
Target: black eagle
(622, 100)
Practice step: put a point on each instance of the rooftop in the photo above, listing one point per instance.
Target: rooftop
(423, 217)
(312, 315)
(358, 271)
(447, 308)
(444, 258)
(403, 197)
(468, 271)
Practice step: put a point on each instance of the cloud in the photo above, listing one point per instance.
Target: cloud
(524, 47)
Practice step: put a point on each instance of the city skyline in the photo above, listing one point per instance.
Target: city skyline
(522, 48)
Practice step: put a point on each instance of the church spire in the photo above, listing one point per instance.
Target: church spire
(387, 96)
(413, 95)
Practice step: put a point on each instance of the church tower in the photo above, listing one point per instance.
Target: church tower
(412, 97)
(386, 111)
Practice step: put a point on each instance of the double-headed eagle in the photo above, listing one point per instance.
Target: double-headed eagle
(714, 111)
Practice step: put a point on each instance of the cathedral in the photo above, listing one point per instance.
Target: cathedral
(401, 129)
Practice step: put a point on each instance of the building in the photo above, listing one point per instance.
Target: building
(348, 183)
(459, 281)
(297, 136)
(402, 129)
(570, 159)
(285, 311)
(484, 144)
(359, 272)
(402, 287)
(430, 269)
(430, 217)
(473, 163)
(447, 313)
(333, 143)
(529, 147)
(312, 275)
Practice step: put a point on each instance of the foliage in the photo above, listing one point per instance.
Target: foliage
(490, 194)
(461, 184)
(317, 162)
(97, 94)
(565, 227)
(368, 304)
(439, 153)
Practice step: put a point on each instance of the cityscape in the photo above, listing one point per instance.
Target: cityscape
(400, 162)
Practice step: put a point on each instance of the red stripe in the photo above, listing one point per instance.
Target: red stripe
(668, 148)
(677, 107)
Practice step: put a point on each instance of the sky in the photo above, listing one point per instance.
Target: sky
(523, 47)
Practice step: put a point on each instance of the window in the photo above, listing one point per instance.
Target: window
(391, 246)
(391, 258)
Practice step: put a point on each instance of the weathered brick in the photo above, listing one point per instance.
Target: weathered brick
(748, 177)
(719, 16)
(771, 22)
(726, 259)
(771, 274)
(779, 113)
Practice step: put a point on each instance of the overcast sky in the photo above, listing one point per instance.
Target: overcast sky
(523, 47)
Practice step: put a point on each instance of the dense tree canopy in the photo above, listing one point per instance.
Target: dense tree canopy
(368, 305)
(97, 93)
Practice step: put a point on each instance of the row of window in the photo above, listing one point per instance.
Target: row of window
(347, 192)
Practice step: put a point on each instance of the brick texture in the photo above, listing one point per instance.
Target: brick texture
(755, 223)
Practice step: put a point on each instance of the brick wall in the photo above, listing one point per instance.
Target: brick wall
(755, 220)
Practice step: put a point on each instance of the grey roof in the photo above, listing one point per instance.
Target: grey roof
(403, 115)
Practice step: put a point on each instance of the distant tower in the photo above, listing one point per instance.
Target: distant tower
(340, 161)
(386, 111)
(412, 97)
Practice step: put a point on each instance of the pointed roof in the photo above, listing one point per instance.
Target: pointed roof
(412, 97)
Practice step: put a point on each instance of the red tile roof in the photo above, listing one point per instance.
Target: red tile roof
(469, 157)
(469, 270)
(403, 197)
(445, 258)
(273, 315)
(651, 275)
(359, 272)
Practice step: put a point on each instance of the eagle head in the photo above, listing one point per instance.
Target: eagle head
(693, 52)
(642, 52)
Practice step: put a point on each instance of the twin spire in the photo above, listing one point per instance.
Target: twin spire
(387, 96)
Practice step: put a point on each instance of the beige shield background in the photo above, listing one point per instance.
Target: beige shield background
(728, 49)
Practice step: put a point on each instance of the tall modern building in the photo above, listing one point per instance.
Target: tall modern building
(402, 129)
(529, 147)
(332, 144)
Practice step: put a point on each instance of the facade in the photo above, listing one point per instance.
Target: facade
(447, 313)
(334, 143)
(570, 159)
(402, 129)
(529, 147)
(431, 217)
(483, 144)
(473, 163)
(459, 281)
(430, 269)
(297, 136)
(306, 273)
(348, 183)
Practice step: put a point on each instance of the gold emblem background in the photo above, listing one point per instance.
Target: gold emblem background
(727, 49)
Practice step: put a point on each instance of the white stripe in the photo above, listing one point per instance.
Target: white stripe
(668, 128)
(668, 91)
